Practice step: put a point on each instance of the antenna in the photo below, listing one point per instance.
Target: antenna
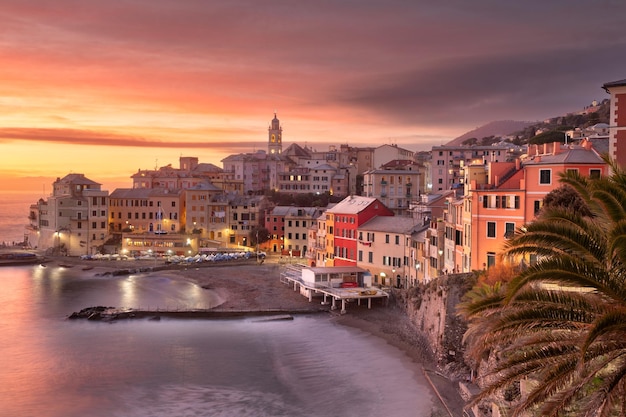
(156, 164)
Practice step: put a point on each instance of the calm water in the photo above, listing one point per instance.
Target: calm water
(50, 366)
(14, 210)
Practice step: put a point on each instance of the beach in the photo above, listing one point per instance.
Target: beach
(249, 286)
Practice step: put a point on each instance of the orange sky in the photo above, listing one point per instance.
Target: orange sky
(106, 88)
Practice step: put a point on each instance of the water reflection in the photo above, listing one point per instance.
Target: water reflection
(53, 367)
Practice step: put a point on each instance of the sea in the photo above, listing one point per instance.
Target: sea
(52, 366)
(14, 211)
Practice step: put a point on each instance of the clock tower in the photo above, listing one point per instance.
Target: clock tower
(275, 137)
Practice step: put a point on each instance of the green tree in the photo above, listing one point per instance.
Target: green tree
(560, 323)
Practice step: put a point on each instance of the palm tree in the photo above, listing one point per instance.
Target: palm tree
(560, 325)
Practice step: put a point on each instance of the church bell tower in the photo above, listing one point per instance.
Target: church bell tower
(275, 137)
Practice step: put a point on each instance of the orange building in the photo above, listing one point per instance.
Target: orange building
(513, 194)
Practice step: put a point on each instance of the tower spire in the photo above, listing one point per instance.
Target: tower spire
(275, 137)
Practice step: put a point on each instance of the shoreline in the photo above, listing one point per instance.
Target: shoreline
(251, 288)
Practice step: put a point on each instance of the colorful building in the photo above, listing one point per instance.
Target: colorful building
(343, 221)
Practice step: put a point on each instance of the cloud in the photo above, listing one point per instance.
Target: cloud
(93, 138)
(480, 89)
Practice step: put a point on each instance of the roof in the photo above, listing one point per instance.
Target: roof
(620, 83)
(568, 156)
(296, 150)
(323, 166)
(142, 192)
(336, 269)
(204, 186)
(207, 167)
(352, 205)
(392, 224)
(77, 179)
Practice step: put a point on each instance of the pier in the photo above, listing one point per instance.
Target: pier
(344, 284)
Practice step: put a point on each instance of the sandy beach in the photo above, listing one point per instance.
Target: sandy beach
(251, 287)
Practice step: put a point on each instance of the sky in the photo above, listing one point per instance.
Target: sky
(106, 88)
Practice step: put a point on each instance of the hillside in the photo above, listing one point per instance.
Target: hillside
(526, 130)
(497, 128)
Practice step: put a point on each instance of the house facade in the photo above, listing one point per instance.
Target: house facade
(73, 220)
(343, 221)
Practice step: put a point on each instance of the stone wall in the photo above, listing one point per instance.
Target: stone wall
(431, 308)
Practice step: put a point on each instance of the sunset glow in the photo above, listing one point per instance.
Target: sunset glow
(106, 89)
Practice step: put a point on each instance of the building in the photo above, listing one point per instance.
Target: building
(245, 215)
(386, 153)
(448, 162)
(342, 223)
(395, 185)
(382, 249)
(189, 174)
(259, 171)
(73, 220)
(297, 221)
(617, 121)
(146, 210)
(513, 193)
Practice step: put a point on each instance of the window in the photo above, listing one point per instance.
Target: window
(545, 176)
(537, 206)
(509, 230)
(360, 256)
(370, 257)
(397, 239)
(491, 229)
(386, 238)
(594, 173)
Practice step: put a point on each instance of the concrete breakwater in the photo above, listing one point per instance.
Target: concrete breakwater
(102, 313)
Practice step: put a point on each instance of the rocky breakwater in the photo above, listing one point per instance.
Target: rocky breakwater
(102, 313)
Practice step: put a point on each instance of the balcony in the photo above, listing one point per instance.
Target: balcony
(383, 182)
(383, 194)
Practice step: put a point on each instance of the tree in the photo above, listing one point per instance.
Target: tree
(262, 233)
(561, 322)
(565, 196)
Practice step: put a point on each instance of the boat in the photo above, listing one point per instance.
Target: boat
(19, 258)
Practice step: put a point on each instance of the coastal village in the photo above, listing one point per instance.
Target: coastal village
(405, 217)
(381, 220)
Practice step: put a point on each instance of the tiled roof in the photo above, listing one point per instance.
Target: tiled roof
(568, 156)
(392, 224)
(352, 205)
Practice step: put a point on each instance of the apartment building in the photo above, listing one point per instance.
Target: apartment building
(512, 196)
(383, 248)
(73, 220)
(395, 185)
(385, 153)
(245, 214)
(448, 162)
(146, 210)
(297, 222)
(189, 174)
(343, 221)
(617, 121)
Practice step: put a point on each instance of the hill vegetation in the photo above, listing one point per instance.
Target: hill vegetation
(520, 133)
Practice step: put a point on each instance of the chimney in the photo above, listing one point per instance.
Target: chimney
(518, 164)
(556, 148)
